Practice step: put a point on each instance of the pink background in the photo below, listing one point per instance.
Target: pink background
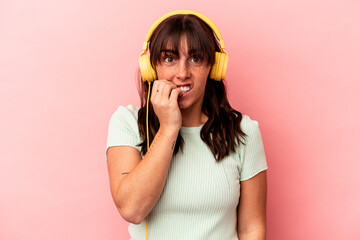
(65, 66)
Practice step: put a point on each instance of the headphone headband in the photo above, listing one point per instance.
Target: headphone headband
(184, 12)
(218, 69)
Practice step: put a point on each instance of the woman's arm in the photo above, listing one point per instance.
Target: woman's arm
(252, 208)
(136, 185)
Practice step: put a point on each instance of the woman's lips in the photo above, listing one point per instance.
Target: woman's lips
(183, 94)
(184, 90)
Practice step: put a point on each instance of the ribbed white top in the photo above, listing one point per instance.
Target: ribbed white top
(201, 195)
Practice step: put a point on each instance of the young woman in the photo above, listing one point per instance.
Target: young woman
(204, 174)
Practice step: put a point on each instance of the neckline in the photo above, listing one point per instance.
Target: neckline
(191, 129)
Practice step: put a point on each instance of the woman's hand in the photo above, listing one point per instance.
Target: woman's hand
(164, 98)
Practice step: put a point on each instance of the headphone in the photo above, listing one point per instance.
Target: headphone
(218, 69)
(148, 73)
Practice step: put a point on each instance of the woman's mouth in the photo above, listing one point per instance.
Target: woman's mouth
(184, 90)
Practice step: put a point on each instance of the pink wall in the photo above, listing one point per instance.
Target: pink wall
(65, 66)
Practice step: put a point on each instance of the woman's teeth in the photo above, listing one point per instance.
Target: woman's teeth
(185, 89)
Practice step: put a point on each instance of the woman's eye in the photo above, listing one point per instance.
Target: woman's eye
(196, 60)
(168, 59)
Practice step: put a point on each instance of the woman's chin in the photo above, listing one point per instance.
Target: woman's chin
(183, 104)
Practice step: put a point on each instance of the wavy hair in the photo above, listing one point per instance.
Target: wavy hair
(222, 132)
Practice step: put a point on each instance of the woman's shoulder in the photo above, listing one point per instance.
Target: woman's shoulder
(129, 112)
(248, 125)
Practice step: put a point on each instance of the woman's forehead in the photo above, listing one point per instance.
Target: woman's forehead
(181, 44)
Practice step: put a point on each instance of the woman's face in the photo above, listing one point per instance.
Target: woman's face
(187, 71)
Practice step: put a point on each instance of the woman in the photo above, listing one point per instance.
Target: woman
(187, 184)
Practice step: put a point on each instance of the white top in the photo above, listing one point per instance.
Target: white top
(201, 195)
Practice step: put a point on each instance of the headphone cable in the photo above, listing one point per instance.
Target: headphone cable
(147, 140)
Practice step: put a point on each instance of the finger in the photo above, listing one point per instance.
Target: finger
(163, 88)
(168, 82)
(166, 90)
(171, 84)
(153, 91)
(157, 89)
(174, 94)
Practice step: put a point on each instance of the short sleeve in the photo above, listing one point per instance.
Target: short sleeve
(123, 128)
(252, 155)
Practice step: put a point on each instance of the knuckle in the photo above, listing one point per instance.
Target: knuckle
(162, 104)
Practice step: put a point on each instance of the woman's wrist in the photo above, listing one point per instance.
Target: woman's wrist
(169, 131)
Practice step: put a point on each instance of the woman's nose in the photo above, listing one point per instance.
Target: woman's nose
(183, 70)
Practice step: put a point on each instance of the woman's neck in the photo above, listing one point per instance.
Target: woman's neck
(191, 118)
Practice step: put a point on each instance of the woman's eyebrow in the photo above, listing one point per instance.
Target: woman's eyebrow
(194, 52)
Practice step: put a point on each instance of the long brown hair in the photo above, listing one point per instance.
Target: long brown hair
(221, 132)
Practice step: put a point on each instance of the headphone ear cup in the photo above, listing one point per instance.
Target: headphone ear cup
(147, 72)
(214, 68)
(223, 65)
(218, 70)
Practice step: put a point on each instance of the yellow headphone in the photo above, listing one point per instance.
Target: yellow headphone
(218, 70)
(148, 73)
